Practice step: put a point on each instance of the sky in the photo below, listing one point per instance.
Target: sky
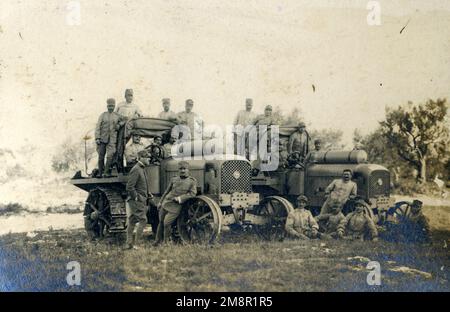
(55, 77)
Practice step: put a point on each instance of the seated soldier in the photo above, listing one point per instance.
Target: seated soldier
(414, 226)
(357, 225)
(329, 223)
(300, 223)
(156, 150)
(132, 150)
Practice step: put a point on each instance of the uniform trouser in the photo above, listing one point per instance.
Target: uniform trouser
(138, 214)
(107, 149)
(326, 207)
(307, 233)
(166, 219)
(120, 148)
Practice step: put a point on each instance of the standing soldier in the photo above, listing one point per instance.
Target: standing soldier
(263, 120)
(127, 110)
(299, 141)
(340, 190)
(311, 157)
(139, 194)
(180, 189)
(192, 121)
(300, 223)
(167, 113)
(132, 150)
(243, 119)
(357, 225)
(106, 138)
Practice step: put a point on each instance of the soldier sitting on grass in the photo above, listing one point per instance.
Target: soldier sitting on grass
(300, 223)
(357, 225)
(413, 225)
(329, 223)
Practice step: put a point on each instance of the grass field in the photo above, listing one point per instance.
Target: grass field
(240, 263)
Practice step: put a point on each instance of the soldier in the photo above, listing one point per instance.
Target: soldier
(243, 119)
(263, 120)
(127, 110)
(299, 141)
(311, 157)
(266, 119)
(357, 225)
(329, 223)
(415, 225)
(339, 190)
(106, 138)
(300, 223)
(192, 121)
(167, 113)
(168, 147)
(131, 150)
(156, 150)
(180, 189)
(139, 194)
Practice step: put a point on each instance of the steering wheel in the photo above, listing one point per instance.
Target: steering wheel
(294, 159)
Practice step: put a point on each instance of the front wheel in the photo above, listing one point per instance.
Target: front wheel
(275, 209)
(200, 220)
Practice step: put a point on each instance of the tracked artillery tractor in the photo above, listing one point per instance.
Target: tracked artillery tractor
(225, 199)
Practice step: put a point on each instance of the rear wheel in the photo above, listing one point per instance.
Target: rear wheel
(275, 209)
(199, 221)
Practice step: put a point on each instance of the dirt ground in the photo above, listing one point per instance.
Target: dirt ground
(37, 261)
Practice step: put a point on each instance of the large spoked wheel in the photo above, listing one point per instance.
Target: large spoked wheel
(275, 209)
(400, 211)
(199, 221)
(96, 220)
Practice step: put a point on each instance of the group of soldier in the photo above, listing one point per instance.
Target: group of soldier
(111, 126)
(300, 223)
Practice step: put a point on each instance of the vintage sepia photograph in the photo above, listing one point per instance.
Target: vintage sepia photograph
(225, 147)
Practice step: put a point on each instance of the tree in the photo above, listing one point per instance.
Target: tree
(418, 133)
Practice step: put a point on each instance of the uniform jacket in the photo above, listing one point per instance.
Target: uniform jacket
(168, 115)
(184, 188)
(340, 191)
(358, 224)
(300, 221)
(299, 142)
(192, 121)
(245, 118)
(107, 126)
(137, 185)
(132, 150)
(128, 110)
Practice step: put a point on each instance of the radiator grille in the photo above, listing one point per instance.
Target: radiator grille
(236, 177)
(379, 183)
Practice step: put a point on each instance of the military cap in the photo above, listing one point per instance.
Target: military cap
(136, 135)
(268, 107)
(128, 91)
(166, 100)
(301, 124)
(302, 198)
(417, 203)
(157, 136)
(189, 102)
(183, 164)
(111, 101)
(317, 141)
(143, 154)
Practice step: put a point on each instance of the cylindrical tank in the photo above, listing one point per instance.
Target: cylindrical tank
(340, 157)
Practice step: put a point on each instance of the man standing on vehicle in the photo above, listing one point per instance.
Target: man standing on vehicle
(300, 223)
(192, 121)
(243, 119)
(299, 141)
(167, 113)
(180, 189)
(139, 195)
(106, 138)
(311, 157)
(127, 110)
(340, 190)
